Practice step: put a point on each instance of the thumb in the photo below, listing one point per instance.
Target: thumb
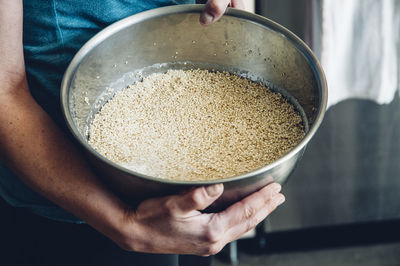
(213, 10)
(198, 198)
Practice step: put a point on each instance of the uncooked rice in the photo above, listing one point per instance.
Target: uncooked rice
(195, 125)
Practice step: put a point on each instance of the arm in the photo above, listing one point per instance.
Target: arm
(34, 148)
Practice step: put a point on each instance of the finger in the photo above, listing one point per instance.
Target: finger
(248, 208)
(213, 10)
(239, 4)
(240, 229)
(196, 199)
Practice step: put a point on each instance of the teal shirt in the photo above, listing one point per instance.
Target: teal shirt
(54, 30)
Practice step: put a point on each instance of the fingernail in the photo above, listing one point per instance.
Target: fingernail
(277, 188)
(213, 190)
(279, 199)
(206, 18)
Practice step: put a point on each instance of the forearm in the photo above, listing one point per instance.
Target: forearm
(41, 155)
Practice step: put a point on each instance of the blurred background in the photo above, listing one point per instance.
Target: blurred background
(343, 200)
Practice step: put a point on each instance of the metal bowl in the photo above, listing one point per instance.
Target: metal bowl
(172, 37)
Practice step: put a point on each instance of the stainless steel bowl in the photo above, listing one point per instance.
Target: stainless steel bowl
(240, 42)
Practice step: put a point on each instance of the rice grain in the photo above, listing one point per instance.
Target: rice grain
(195, 125)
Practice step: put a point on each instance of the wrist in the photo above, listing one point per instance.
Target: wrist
(119, 225)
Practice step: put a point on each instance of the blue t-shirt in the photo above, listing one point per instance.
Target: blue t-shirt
(53, 32)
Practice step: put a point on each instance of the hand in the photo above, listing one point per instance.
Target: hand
(176, 225)
(216, 8)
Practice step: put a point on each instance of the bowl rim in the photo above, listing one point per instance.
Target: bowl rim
(193, 8)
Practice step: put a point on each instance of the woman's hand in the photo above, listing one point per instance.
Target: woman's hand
(176, 225)
(216, 8)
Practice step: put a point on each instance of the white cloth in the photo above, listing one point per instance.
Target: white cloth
(360, 49)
